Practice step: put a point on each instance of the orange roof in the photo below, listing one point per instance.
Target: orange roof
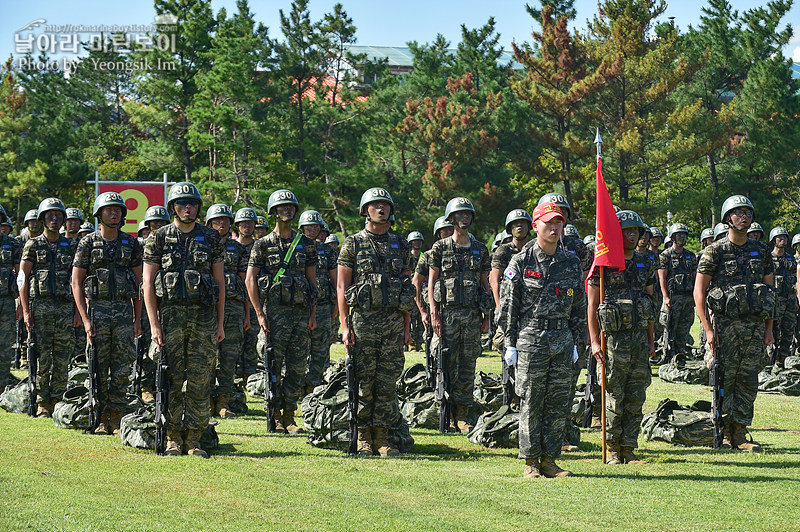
(327, 81)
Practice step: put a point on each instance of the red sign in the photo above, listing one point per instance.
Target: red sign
(138, 198)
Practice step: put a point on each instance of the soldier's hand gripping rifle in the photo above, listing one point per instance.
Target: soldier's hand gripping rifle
(162, 400)
(270, 383)
(139, 347)
(443, 385)
(717, 377)
(352, 396)
(91, 359)
(33, 368)
(588, 393)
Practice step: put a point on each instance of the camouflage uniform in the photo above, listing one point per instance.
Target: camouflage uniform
(250, 348)
(627, 364)
(230, 349)
(377, 322)
(110, 263)
(10, 254)
(653, 257)
(740, 335)
(422, 268)
(187, 296)
(287, 303)
(52, 311)
(785, 303)
(680, 268)
(417, 328)
(463, 301)
(318, 355)
(546, 313)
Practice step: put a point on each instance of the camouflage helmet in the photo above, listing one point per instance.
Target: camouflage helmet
(415, 235)
(281, 197)
(706, 233)
(183, 190)
(560, 200)
(30, 216)
(86, 226)
(310, 218)
(218, 210)
(375, 194)
(440, 223)
(332, 238)
(795, 240)
(571, 230)
(734, 202)
(616, 208)
(8, 222)
(588, 239)
(755, 227)
(518, 214)
(456, 205)
(647, 230)
(141, 227)
(630, 219)
(156, 212)
(720, 229)
(74, 213)
(656, 232)
(261, 221)
(104, 200)
(677, 228)
(3, 215)
(245, 214)
(326, 227)
(503, 235)
(777, 231)
(50, 204)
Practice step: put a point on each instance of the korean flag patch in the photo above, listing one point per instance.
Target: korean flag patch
(510, 274)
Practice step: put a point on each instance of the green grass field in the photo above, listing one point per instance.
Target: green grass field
(56, 479)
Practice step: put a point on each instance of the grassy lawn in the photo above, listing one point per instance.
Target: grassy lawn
(55, 479)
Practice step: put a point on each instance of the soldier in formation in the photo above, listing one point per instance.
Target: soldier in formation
(677, 268)
(416, 240)
(245, 223)
(10, 313)
(786, 309)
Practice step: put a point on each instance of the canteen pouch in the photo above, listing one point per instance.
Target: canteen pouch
(263, 287)
(716, 300)
(209, 292)
(762, 300)
(194, 285)
(616, 315)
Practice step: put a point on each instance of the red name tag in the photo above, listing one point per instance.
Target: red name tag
(532, 273)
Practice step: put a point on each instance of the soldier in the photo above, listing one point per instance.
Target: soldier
(415, 240)
(720, 231)
(786, 294)
(441, 229)
(6, 226)
(237, 310)
(245, 222)
(626, 317)
(323, 232)
(677, 268)
(183, 268)
(739, 273)
(572, 231)
(795, 242)
(142, 232)
(10, 255)
(460, 300)
(756, 232)
(86, 228)
(375, 295)
(333, 241)
(287, 313)
(545, 317)
(107, 270)
(46, 300)
(262, 226)
(73, 222)
(33, 225)
(318, 358)
(656, 240)
(571, 243)
(706, 237)
(643, 246)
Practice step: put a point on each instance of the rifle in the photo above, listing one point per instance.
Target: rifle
(94, 370)
(162, 398)
(443, 385)
(270, 383)
(588, 393)
(33, 367)
(18, 345)
(352, 398)
(717, 377)
(509, 379)
(430, 376)
(139, 347)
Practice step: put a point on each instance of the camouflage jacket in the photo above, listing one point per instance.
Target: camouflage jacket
(109, 264)
(785, 274)
(10, 255)
(52, 266)
(680, 268)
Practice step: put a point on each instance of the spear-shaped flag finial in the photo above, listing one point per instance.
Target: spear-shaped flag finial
(598, 141)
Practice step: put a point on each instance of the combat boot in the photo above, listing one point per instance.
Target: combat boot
(461, 419)
(364, 442)
(279, 426)
(193, 444)
(627, 456)
(288, 422)
(727, 431)
(739, 439)
(114, 418)
(567, 447)
(174, 444)
(45, 409)
(549, 469)
(614, 457)
(531, 469)
(102, 428)
(223, 407)
(382, 443)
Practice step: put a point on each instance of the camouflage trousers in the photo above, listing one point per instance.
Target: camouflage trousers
(54, 339)
(148, 381)
(543, 379)
(461, 332)
(379, 360)
(230, 349)
(658, 328)
(290, 339)
(577, 367)
(251, 346)
(417, 329)
(741, 344)
(783, 325)
(8, 333)
(681, 313)
(190, 342)
(627, 378)
(318, 353)
(113, 329)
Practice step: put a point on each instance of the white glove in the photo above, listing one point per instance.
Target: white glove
(574, 354)
(511, 356)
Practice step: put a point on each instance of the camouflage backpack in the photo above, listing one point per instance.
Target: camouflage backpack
(692, 372)
(255, 384)
(680, 425)
(417, 399)
(138, 429)
(488, 391)
(78, 376)
(238, 401)
(497, 429)
(15, 399)
(72, 412)
(786, 381)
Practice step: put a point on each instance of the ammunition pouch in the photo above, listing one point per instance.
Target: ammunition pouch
(681, 283)
(234, 287)
(289, 290)
(468, 293)
(8, 281)
(741, 300)
(112, 284)
(51, 283)
(625, 314)
(189, 285)
(326, 292)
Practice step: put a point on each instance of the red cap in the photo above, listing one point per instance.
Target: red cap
(547, 211)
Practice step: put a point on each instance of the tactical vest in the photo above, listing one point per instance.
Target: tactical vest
(326, 292)
(739, 291)
(51, 276)
(185, 273)
(379, 282)
(679, 271)
(234, 285)
(550, 290)
(627, 305)
(112, 273)
(8, 281)
(785, 274)
(292, 288)
(459, 284)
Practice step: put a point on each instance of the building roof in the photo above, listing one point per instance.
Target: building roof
(401, 56)
(796, 70)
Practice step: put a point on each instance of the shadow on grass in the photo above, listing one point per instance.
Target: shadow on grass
(640, 474)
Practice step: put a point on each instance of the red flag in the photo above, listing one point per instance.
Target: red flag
(608, 247)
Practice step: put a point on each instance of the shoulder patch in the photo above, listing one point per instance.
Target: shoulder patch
(64, 244)
(476, 252)
(395, 246)
(510, 274)
(6, 246)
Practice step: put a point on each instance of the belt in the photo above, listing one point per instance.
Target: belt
(550, 323)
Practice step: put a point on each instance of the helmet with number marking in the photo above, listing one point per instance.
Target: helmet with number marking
(142, 226)
(218, 210)
(281, 197)
(588, 239)
(440, 223)
(656, 232)
(415, 235)
(735, 202)
(571, 230)
(106, 199)
(630, 219)
(518, 214)
(8, 222)
(50, 204)
(245, 214)
(720, 230)
(755, 227)
(795, 240)
(73, 213)
(778, 231)
(310, 218)
(183, 190)
(456, 205)
(30, 216)
(156, 212)
(375, 194)
(677, 228)
(560, 200)
(706, 233)
(261, 221)
(332, 239)
(86, 227)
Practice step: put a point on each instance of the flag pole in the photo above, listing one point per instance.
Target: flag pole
(598, 142)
